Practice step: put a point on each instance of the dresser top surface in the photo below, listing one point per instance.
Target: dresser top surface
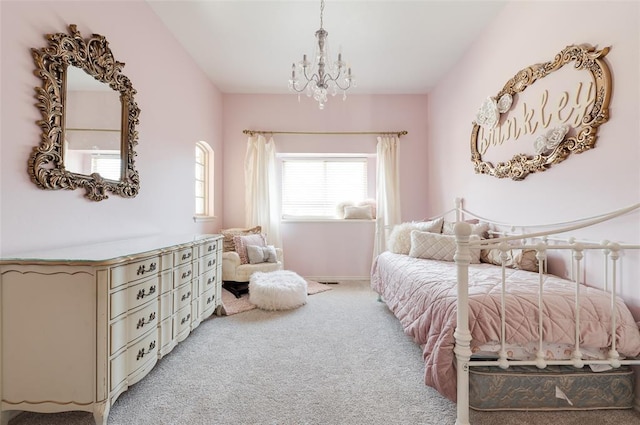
(112, 250)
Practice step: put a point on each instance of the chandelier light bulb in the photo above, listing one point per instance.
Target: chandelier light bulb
(323, 76)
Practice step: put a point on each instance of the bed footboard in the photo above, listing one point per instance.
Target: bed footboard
(610, 252)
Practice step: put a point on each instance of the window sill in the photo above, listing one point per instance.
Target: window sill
(325, 220)
(203, 218)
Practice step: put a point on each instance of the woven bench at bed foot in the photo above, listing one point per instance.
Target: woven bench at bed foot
(277, 290)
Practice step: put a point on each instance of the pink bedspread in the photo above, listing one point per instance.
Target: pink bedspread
(422, 294)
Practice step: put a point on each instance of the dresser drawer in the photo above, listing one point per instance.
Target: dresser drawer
(207, 281)
(133, 296)
(208, 263)
(208, 302)
(134, 271)
(182, 323)
(182, 275)
(142, 352)
(183, 256)
(207, 248)
(182, 297)
(133, 326)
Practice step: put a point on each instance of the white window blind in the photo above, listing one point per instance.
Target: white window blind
(108, 166)
(313, 187)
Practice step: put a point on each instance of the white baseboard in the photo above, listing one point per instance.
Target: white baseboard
(336, 279)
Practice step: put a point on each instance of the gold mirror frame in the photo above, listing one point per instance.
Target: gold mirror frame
(521, 165)
(46, 163)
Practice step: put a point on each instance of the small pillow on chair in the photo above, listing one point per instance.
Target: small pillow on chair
(242, 242)
(229, 234)
(261, 254)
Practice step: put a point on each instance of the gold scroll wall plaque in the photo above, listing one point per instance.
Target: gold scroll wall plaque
(554, 144)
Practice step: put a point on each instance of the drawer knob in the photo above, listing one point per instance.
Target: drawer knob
(186, 296)
(211, 247)
(186, 256)
(142, 293)
(186, 274)
(211, 262)
(142, 321)
(210, 299)
(185, 319)
(210, 281)
(143, 269)
(142, 352)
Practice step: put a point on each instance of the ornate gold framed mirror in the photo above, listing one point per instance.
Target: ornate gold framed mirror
(559, 117)
(89, 118)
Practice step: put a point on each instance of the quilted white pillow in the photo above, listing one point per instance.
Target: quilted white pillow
(433, 246)
(400, 237)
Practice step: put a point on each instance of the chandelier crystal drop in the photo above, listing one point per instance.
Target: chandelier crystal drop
(321, 77)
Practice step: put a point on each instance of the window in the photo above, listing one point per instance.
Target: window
(107, 165)
(312, 187)
(204, 180)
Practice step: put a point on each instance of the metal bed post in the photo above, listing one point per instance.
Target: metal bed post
(462, 335)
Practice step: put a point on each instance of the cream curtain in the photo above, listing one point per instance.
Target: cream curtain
(388, 190)
(261, 196)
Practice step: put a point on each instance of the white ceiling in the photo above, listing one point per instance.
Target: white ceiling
(392, 46)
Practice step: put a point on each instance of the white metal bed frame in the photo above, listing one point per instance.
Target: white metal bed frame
(509, 240)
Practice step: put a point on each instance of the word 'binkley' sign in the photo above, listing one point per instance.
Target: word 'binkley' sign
(547, 124)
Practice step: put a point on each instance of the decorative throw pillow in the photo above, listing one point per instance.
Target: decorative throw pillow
(261, 254)
(435, 246)
(371, 203)
(400, 237)
(228, 235)
(362, 212)
(480, 229)
(522, 259)
(341, 207)
(242, 242)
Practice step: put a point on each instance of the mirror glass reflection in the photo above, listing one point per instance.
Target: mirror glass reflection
(93, 114)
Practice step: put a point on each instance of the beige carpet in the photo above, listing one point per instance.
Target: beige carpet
(233, 305)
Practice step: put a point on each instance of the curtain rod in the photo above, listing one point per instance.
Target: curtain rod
(332, 133)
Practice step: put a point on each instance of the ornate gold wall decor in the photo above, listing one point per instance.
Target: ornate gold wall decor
(557, 143)
(46, 164)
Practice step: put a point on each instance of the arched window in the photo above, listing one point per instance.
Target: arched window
(204, 180)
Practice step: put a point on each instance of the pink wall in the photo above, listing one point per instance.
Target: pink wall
(597, 181)
(179, 106)
(319, 249)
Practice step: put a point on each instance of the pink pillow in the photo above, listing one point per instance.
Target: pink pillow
(242, 242)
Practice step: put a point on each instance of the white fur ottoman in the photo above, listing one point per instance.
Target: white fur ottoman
(277, 290)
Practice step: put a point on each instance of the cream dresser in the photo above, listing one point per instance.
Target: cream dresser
(79, 325)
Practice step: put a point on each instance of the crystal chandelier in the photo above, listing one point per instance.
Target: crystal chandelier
(321, 78)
